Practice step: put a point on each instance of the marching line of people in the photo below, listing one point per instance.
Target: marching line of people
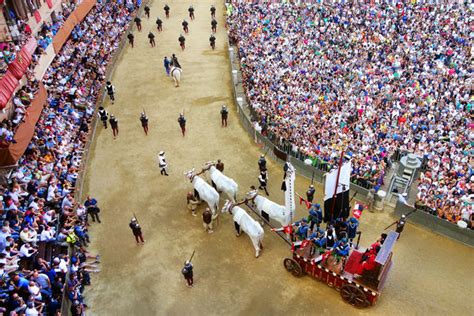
(184, 24)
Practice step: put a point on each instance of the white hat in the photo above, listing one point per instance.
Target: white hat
(162, 153)
(404, 194)
(134, 219)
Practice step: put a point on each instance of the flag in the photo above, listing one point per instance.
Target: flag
(306, 202)
(358, 209)
(341, 205)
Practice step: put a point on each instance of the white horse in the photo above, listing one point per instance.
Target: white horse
(205, 191)
(269, 209)
(243, 222)
(176, 75)
(222, 182)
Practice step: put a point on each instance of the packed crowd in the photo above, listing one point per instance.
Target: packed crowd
(39, 213)
(21, 31)
(366, 79)
(23, 97)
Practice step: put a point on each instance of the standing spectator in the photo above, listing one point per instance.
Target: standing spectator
(103, 115)
(207, 219)
(162, 163)
(92, 208)
(138, 22)
(187, 272)
(182, 123)
(147, 11)
(137, 231)
(224, 114)
(166, 64)
(130, 39)
(167, 11)
(182, 41)
(151, 38)
(159, 24)
(213, 11)
(191, 12)
(263, 179)
(114, 125)
(185, 26)
(110, 91)
(214, 25)
(144, 121)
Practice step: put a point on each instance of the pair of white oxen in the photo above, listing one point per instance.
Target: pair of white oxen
(225, 184)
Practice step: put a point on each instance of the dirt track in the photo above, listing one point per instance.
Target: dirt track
(430, 276)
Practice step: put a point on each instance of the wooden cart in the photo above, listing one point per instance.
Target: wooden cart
(359, 291)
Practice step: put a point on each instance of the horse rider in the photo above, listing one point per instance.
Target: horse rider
(185, 26)
(114, 125)
(103, 115)
(130, 39)
(262, 163)
(213, 11)
(220, 165)
(166, 64)
(144, 121)
(182, 123)
(110, 91)
(182, 41)
(174, 61)
(212, 41)
(159, 24)
(162, 163)
(214, 25)
(224, 114)
(167, 11)
(191, 12)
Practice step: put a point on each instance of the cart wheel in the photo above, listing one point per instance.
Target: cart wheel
(293, 267)
(354, 296)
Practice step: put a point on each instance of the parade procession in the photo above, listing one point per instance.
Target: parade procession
(236, 157)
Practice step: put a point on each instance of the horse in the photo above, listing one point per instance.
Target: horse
(222, 182)
(243, 222)
(176, 75)
(269, 209)
(205, 191)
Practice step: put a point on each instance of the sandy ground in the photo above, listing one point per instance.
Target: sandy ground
(430, 273)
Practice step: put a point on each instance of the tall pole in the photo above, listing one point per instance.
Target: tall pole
(334, 197)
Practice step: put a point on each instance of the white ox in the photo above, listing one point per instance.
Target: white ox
(205, 191)
(222, 182)
(244, 222)
(269, 209)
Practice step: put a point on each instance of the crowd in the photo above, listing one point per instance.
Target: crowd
(39, 214)
(22, 98)
(367, 79)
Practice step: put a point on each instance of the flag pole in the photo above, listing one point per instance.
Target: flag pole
(335, 188)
